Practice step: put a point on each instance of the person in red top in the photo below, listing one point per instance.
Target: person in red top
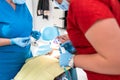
(94, 28)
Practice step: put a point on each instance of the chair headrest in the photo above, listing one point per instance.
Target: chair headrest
(49, 33)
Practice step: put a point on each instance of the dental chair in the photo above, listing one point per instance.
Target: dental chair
(49, 33)
(44, 67)
(40, 68)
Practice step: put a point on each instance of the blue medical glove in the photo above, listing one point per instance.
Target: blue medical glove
(65, 58)
(22, 41)
(68, 46)
(36, 34)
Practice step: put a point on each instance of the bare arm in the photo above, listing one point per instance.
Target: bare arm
(4, 42)
(104, 36)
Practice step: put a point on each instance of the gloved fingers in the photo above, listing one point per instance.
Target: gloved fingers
(69, 47)
(62, 60)
(20, 41)
(25, 39)
(36, 34)
(66, 43)
(65, 58)
(62, 50)
(24, 44)
(28, 43)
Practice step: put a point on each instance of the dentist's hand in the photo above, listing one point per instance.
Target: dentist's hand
(36, 34)
(21, 41)
(66, 59)
(68, 46)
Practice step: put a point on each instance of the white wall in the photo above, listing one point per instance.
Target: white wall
(29, 4)
(54, 16)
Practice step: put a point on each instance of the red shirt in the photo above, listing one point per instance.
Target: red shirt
(81, 16)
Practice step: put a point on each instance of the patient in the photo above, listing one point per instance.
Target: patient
(44, 64)
(52, 48)
(56, 43)
(61, 41)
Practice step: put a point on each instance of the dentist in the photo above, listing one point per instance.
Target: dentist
(15, 31)
(94, 29)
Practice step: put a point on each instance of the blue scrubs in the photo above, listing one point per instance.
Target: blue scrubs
(13, 23)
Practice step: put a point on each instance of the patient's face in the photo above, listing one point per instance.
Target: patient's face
(54, 53)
